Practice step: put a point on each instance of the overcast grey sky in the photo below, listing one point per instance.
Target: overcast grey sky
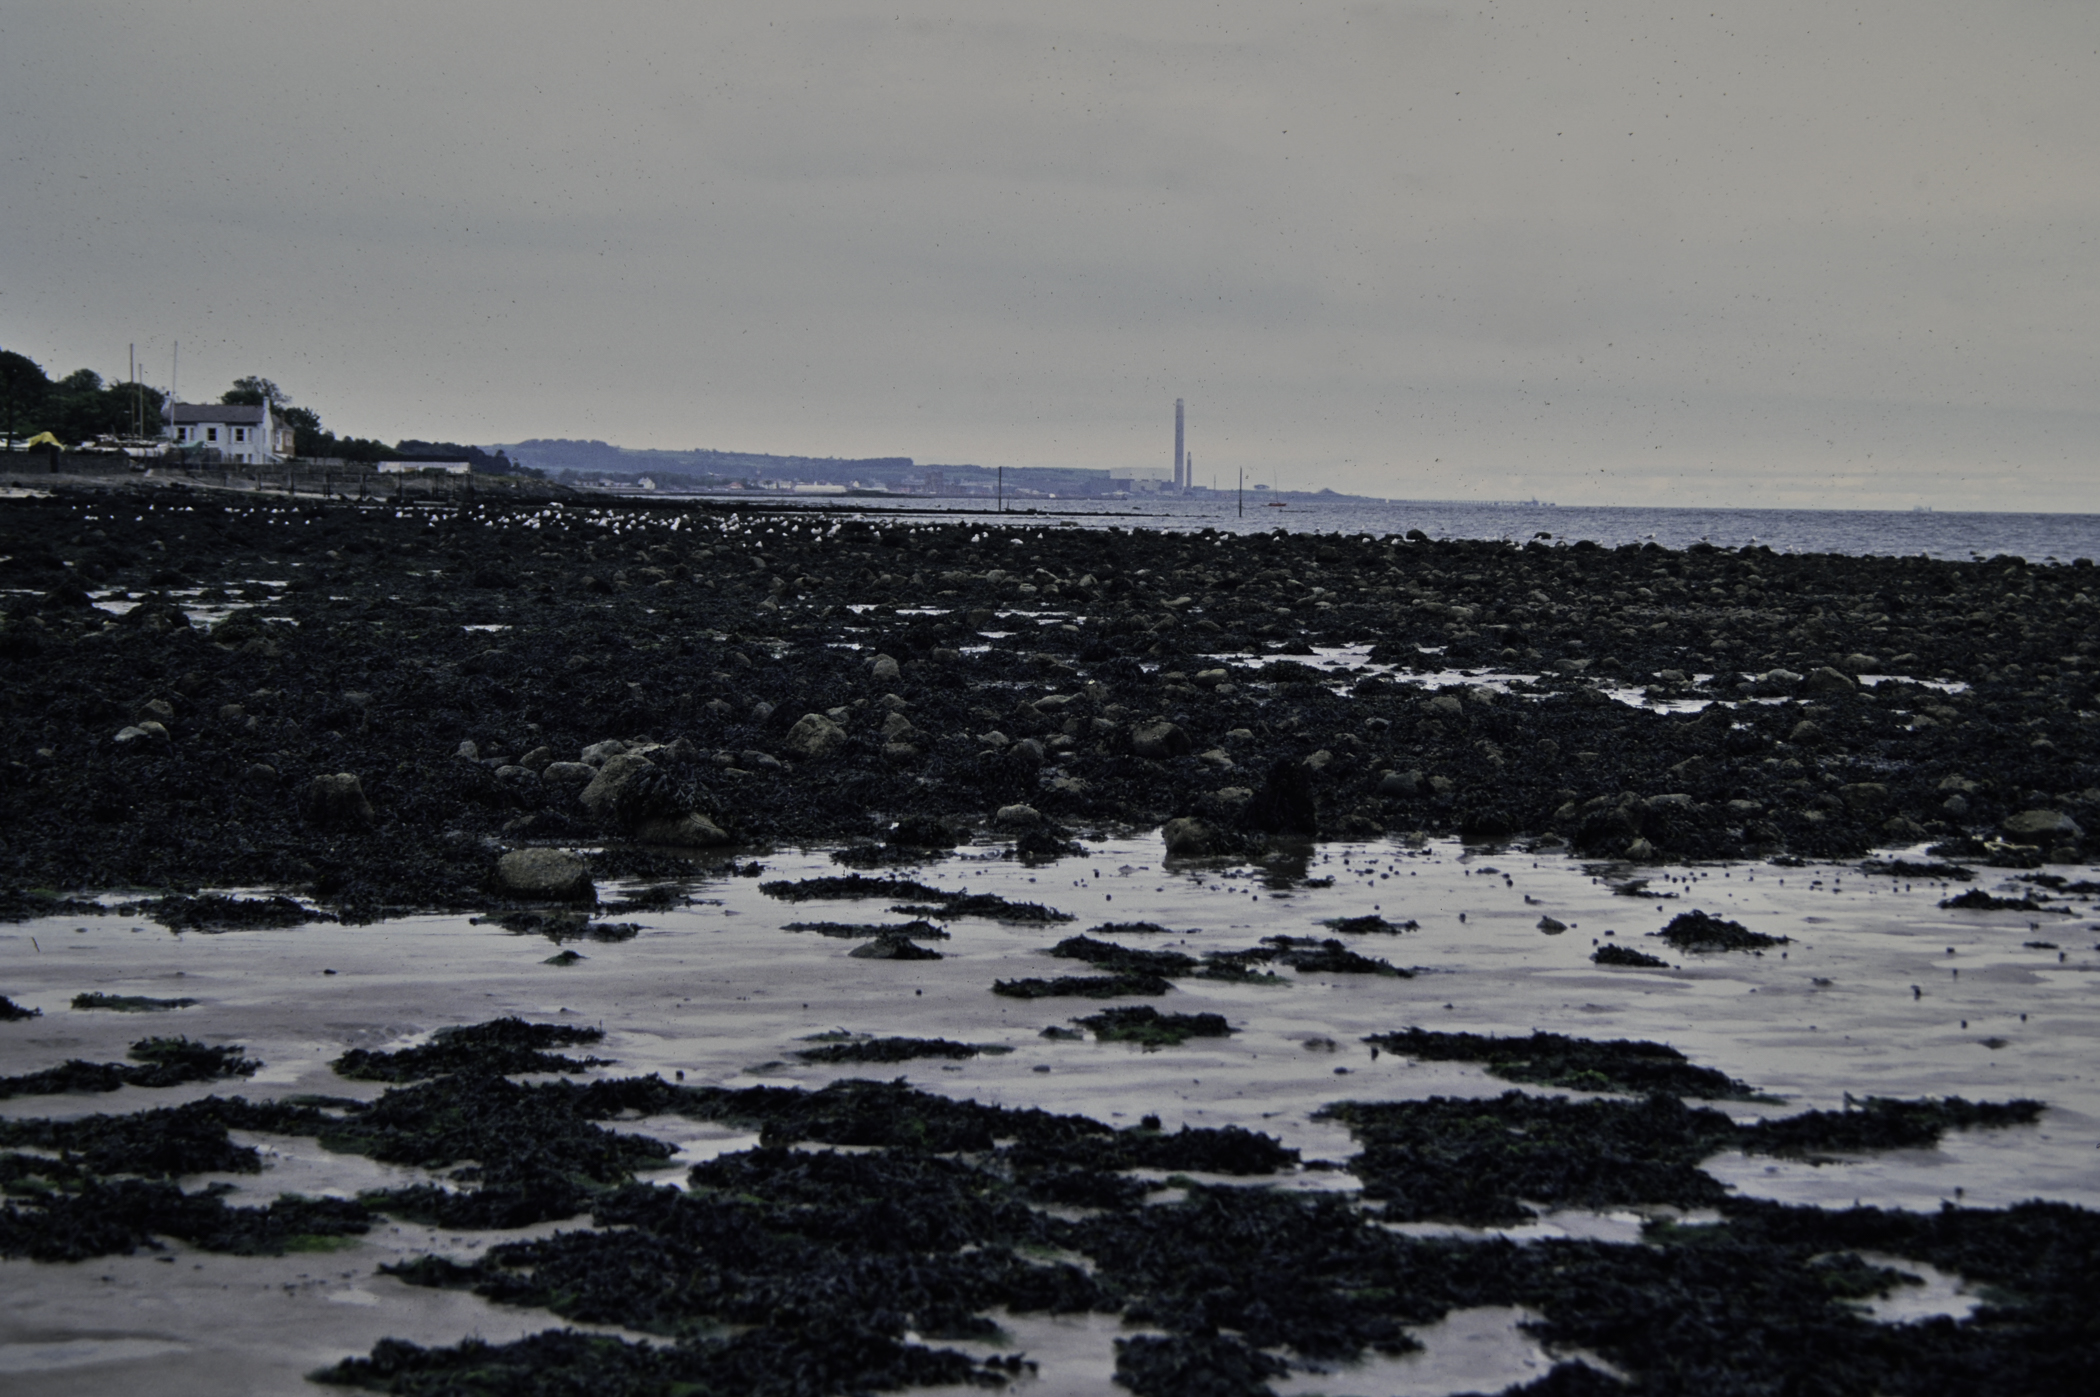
(1752, 254)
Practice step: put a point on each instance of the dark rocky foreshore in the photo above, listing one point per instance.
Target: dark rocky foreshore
(696, 678)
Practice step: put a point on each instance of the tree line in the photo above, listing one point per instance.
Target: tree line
(81, 407)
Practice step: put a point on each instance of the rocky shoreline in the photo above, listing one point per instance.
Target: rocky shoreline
(393, 697)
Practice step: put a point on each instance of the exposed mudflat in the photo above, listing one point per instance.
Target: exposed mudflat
(544, 948)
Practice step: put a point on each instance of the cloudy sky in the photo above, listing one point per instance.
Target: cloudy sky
(1756, 253)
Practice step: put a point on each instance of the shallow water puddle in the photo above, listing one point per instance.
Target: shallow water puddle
(1864, 1000)
(1477, 1350)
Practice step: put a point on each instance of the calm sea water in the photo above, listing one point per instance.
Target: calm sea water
(2035, 537)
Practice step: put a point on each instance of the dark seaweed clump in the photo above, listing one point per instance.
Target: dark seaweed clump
(1909, 868)
(11, 1012)
(1481, 1161)
(1312, 955)
(1123, 960)
(892, 1050)
(849, 886)
(826, 1262)
(1146, 1026)
(128, 1003)
(502, 1046)
(121, 1217)
(765, 1362)
(920, 930)
(1626, 955)
(1129, 929)
(953, 905)
(924, 900)
(1977, 900)
(1369, 923)
(1697, 931)
(1082, 986)
(156, 1062)
(218, 912)
(1631, 1066)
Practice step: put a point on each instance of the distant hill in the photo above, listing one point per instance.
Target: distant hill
(701, 467)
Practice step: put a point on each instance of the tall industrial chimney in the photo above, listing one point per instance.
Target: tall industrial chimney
(1179, 457)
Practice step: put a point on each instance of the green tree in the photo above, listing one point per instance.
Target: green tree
(23, 390)
(254, 391)
(81, 407)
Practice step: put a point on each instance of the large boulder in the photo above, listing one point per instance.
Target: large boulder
(1827, 680)
(2046, 827)
(814, 735)
(1160, 739)
(552, 874)
(568, 776)
(1188, 838)
(605, 787)
(337, 802)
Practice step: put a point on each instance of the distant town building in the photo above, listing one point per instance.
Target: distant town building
(412, 466)
(246, 435)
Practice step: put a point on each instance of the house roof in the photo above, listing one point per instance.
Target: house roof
(237, 414)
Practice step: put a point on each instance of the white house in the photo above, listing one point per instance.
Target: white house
(244, 435)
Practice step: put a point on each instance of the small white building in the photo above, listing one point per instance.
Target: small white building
(242, 434)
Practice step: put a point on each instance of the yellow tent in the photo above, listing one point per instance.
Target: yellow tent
(45, 439)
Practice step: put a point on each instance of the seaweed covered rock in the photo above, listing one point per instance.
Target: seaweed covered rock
(553, 874)
(1698, 931)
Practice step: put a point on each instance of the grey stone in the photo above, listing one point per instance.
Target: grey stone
(469, 750)
(1863, 796)
(1320, 760)
(1017, 816)
(758, 761)
(149, 733)
(1448, 705)
(545, 873)
(610, 780)
(883, 670)
(2046, 827)
(1159, 739)
(1187, 838)
(1400, 783)
(1831, 681)
(1859, 664)
(896, 728)
(1552, 926)
(814, 735)
(157, 710)
(1805, 732)
(1028, 752)
(568, 775)
(338, 802)
(599, 753)
(537, 759)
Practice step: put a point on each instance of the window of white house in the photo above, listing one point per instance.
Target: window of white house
(240, 433)
(211, 433)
